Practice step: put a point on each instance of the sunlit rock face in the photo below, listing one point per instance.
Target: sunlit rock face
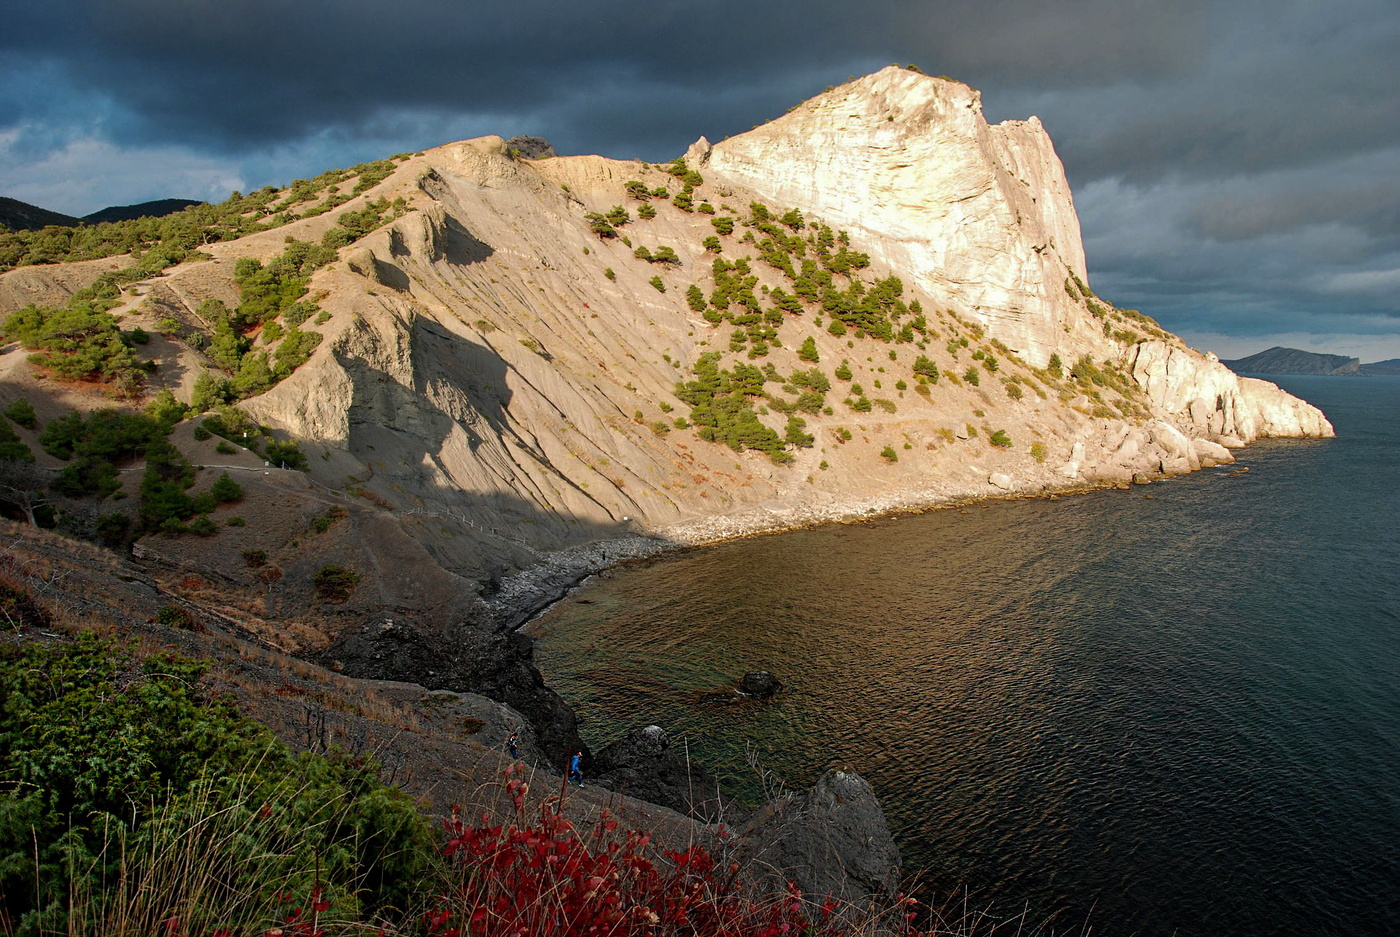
(979, 216)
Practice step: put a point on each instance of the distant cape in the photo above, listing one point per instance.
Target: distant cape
(1279, 360)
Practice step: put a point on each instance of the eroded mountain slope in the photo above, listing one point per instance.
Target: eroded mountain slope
(875, 301)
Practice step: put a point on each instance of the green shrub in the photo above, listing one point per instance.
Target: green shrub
(223, 448)
(255, 558)
(972, 376)
(657, 284)
(79, 342)
(335, 583)
(109, 764)
(173, 616)
(889, 455)
(843, 371)
(646, 212)
(600, 225)
(608, 272)
(1000, 439)
(12, 448)
(808, 351)
(236, 521)
(22, 413)
(201, 434)
(225, 490)
(163, 498)
(1038, 451)
(286, 455)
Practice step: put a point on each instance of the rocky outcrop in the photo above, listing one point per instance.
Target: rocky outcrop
(832, 840)
(979, 217)
(644, 764)
(1203, 394)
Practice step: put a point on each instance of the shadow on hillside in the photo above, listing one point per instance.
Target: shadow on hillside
(463, 247)
(460, 395)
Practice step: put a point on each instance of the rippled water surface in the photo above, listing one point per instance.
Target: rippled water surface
(1167, 714)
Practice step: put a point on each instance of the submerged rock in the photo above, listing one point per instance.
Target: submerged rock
(759, 683)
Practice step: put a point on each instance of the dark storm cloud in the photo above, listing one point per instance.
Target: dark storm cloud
(1229, 157)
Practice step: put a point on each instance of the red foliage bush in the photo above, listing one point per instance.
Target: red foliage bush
(542, 878)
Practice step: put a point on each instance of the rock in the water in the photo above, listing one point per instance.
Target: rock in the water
(643, 764)
(832, 840)
(759, 683)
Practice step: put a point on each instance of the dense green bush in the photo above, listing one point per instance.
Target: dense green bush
(164, 503)
(110, 765)
(12, 448)
(335, 583)
(79, 342)
(808, 351)
(225, 490)
(1000, 439)
(96, 445)
(286, 455)
(22, 413)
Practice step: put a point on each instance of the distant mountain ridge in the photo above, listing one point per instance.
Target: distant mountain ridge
(158, 208)
(1280, 360)
(21, 216)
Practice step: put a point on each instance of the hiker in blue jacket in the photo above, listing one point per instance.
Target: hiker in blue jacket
(576, 768)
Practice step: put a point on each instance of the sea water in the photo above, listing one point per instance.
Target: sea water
(1168, 710)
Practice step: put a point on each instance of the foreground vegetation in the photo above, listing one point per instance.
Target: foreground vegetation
(133, 801)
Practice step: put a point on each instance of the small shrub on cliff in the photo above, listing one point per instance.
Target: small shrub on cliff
(1000, 439)
(335, 583)
(22, 413)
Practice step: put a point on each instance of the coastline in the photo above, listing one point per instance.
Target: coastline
(531, 592)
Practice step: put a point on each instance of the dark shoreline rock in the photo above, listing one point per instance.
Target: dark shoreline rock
(832, 840)
(473, 656)
(643, 764)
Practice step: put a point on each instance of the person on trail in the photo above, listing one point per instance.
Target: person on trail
(576, 768)
(513, 743)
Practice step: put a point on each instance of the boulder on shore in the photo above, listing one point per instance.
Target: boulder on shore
(832, 841)
(643, 764)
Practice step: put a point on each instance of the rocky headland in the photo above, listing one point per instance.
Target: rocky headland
(535, 366)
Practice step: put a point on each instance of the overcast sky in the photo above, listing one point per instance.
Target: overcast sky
(1235, 163)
